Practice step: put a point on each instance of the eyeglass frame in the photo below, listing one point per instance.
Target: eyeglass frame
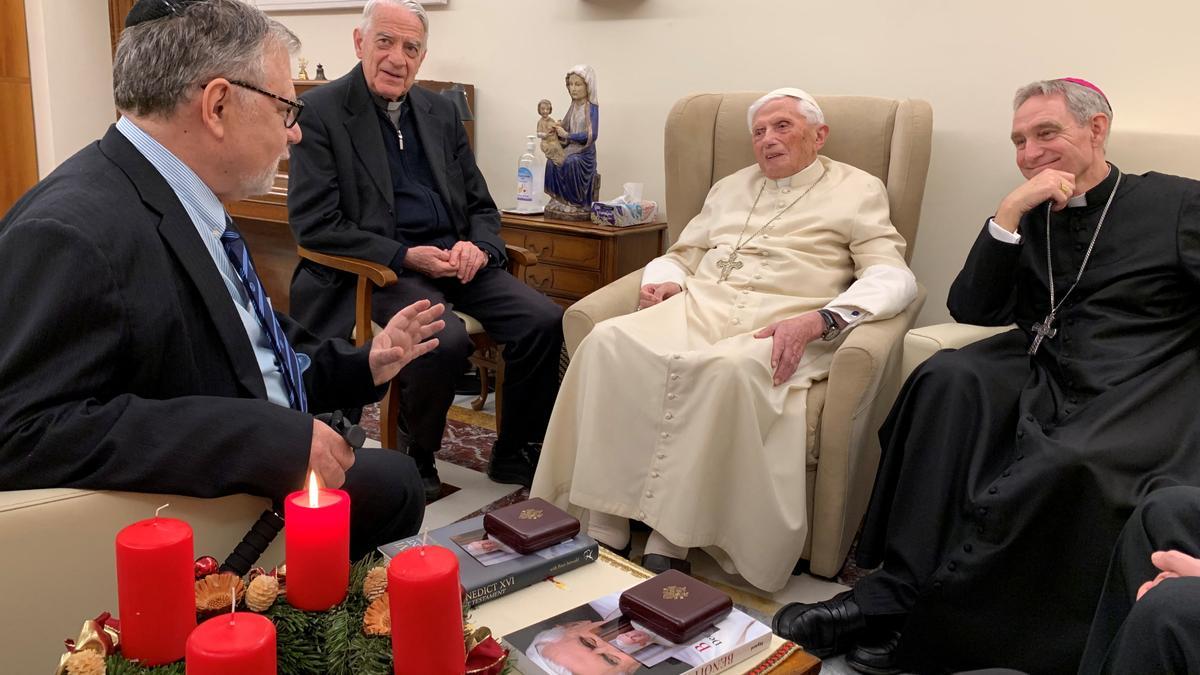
(292, 117)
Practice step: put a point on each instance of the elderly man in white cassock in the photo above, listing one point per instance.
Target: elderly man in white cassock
(689, 415)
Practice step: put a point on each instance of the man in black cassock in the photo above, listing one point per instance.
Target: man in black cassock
(1010, 466)
(1148, 620)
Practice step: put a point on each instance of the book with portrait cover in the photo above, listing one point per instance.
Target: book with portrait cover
(488, 569)
(596, 637)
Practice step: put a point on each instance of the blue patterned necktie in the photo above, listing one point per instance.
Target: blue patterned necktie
(235, 248)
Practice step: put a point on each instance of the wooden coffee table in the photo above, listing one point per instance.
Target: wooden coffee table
(609, 574)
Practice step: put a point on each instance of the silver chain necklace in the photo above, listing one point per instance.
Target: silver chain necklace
(1046, 328)
(730, 262)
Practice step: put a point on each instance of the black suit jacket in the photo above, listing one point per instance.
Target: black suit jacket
(123, 362)
(340, 191)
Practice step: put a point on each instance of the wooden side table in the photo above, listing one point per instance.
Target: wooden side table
(576, 258)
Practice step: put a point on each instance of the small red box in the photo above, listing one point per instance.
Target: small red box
(531, 525)
(675, 606)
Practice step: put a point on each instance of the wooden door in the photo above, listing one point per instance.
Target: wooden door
(18, 160)
(117, 11)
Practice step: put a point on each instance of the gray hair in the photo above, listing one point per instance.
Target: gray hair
(1082, 102)
(805, 105)
(411, 5)
(159, 62)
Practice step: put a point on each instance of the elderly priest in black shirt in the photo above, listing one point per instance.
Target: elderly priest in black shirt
(385, 173)
(1009, 466)
(139, 350)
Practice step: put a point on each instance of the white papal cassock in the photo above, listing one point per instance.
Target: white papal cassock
(669, 415)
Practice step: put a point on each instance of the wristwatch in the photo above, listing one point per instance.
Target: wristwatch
(832, 330)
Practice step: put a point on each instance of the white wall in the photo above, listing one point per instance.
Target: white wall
(70, 64)
(966, 58)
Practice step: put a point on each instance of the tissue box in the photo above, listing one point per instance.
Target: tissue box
(675, 606)
(621, 214)
(531, 525)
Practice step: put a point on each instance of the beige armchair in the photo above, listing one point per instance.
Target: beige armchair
(706, 140)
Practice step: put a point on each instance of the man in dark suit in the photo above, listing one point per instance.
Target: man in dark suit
(139, 351)
(385, 173)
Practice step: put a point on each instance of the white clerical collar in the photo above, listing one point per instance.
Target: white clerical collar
(808, 174)
(1078, 200)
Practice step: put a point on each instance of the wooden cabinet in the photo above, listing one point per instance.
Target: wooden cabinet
(576, 258)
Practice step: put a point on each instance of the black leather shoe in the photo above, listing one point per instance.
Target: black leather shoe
(876, 653)
(514, 466)
(433, 487)
(824, 628)
(658, 563)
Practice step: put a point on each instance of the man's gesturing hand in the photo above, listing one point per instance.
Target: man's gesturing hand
(789, 338)
(405, 338)
(329, 455)
(652, 294)
(1050, 184)
(431, 261)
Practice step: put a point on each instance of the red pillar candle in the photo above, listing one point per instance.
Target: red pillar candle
(155, 589)
(242, 643)
(426, 609)
(317, 547)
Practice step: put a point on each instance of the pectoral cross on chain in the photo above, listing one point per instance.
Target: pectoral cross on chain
(728, 265)
(1043, 330)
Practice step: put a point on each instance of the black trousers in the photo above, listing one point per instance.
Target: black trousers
(526, 322)
(387, 499)
(1161, 632)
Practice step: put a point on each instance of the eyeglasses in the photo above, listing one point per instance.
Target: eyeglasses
(294, 107)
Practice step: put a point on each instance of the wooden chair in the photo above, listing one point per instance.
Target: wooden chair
(487, 357)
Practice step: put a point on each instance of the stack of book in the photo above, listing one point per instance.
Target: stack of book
(598, 637)
(489, 569)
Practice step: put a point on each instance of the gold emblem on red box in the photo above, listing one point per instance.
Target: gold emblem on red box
(530, 514)
(675, 592)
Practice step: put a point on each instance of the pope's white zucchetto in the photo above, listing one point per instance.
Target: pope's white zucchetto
(786, 92)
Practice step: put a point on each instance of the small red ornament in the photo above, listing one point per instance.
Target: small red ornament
(206, 565)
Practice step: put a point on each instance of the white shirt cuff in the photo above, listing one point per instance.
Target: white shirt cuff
(662, 270)
(1000, 234)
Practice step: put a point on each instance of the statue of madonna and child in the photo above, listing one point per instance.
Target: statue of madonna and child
(570, 146)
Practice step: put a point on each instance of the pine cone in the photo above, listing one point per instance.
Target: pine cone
(375, 584)
(262, 593)
(85, 662)
(378, 618)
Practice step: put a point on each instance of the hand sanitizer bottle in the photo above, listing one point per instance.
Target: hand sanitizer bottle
(525, 187)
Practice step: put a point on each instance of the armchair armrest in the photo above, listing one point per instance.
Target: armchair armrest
(617, 298)
(368, 273)
(921, 343)
(372, 273)
(863, 382)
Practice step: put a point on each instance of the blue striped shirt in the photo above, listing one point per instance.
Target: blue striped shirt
(208, 215)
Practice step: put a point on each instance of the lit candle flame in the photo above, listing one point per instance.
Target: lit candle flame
(313, 492)
(156, 511)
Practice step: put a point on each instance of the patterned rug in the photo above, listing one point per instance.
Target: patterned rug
(467, 443)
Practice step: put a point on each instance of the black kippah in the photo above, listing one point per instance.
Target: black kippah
(149, 10)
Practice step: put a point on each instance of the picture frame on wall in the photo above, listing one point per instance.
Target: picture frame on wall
(278, 5)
